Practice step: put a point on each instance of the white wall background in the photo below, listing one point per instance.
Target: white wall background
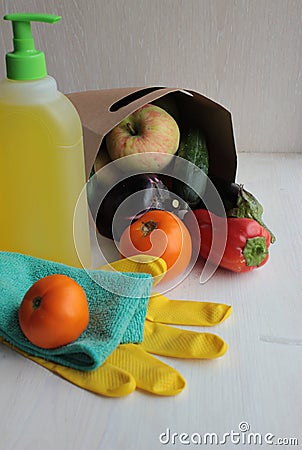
(244, 54)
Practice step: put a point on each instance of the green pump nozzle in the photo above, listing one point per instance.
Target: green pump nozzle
(25, 62)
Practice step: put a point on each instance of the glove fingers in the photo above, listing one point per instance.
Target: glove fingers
(151, 375)
(184, 312)
(170, 341)
(156, 267)
(106, 380)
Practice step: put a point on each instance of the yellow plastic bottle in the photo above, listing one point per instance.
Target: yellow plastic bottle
(41, 158)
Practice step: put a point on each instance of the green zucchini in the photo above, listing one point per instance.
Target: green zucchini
(192, 148)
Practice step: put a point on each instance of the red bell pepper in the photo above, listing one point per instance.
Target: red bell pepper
(246, 246)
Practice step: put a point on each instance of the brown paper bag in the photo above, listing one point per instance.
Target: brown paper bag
(102, 110)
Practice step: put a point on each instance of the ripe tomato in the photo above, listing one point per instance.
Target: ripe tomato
(54, 311)
(162, 234)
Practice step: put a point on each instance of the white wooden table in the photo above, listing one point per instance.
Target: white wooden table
(258, 381)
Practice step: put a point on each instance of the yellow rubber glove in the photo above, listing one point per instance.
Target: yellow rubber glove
(131, 365)
(156, 267)
(152, 375)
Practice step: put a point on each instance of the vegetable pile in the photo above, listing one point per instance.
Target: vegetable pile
(148, 141)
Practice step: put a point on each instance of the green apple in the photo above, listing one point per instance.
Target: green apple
(150, 133)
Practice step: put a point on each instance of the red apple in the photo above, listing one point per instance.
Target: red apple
(149, 132)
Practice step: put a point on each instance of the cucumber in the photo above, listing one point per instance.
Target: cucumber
(192, 148)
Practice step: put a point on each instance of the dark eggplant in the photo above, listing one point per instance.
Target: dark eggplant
(128, 199)
(228, 192)
(249, 206)
(237, 202)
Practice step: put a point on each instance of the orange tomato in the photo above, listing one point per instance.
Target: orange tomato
(161, 234)
(54, 311)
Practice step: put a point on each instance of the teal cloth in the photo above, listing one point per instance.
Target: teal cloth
(117, 308)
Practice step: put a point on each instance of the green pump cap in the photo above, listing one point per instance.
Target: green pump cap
(25, 62)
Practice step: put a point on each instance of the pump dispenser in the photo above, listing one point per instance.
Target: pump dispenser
(42, 170)
(25, 62)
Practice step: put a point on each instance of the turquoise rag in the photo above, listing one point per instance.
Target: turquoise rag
(117, 309)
